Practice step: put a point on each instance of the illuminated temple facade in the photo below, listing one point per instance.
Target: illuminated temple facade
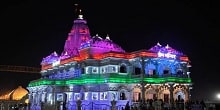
(94, 72)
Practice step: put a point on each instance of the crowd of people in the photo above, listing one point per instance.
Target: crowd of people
(179, 104)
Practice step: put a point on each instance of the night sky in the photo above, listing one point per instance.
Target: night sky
(31, 30)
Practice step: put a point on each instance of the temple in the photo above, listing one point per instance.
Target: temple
(14, 99)
(93, 72)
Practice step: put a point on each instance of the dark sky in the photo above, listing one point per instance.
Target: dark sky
(31, 30)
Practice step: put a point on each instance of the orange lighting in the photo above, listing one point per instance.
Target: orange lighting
(184, 58)
(85, 55)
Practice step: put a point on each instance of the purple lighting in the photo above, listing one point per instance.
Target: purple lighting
(167, 51)
(79, 34)
(102, 45)
(95, 73)
(53, 57)
(64, 55)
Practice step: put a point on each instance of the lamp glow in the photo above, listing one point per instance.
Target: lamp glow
(218, 96)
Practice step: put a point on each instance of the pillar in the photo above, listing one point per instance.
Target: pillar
(171, 89)
(142, 80)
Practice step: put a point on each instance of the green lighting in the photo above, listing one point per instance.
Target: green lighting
(59, 82)
(167, 79)
(109, 78)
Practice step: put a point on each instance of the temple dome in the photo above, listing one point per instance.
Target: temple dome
(51, 58)
(164, 49)
(102, 45)
(18, 93)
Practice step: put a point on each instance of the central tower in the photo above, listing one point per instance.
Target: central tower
(78, 34)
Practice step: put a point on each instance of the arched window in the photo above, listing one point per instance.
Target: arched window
(114, 69)
(89, 70)
(137, 96)
(94, 70)
(180, 95)
(166, 71)
(137, 71)
(82, 71)
(179, 72)
(122, 96)
(123, 69)
(154, 72)
(150, 69)
(103, 70)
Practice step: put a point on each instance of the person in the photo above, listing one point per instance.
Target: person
(79, 102)
(127, 107)
(203, 105)
(113, 102)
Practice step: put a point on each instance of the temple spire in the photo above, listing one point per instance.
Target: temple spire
(167, 46)
(80, 16)
(78, 34)
(158, 44)
(78, 11)
(107, 37)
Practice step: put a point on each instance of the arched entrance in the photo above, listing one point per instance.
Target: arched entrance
(180, 91)
(136, 94)
(179, 95)
(151, 94)
(123, 92)
(164, 95)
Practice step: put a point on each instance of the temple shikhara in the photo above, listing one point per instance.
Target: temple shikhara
(94, 73)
